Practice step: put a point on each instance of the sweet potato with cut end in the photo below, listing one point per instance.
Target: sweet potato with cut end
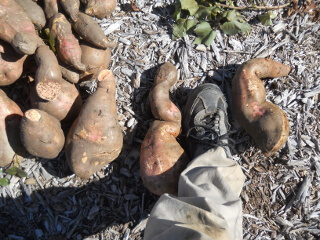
(90, 31)
(97, 129)
(264, 121)
(34, 12)
(68, 47)
(41, 134)
(69, 74)
(11, 64)
(17, 29)
(162, 159)
(100, 8)
(50, 8)
(10, 117)
(51, 93)
(94, 59)
(71, 7)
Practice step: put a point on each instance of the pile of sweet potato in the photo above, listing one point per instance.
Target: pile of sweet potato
(75, 48)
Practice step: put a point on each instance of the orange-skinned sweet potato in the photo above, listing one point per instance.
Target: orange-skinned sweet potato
(68, 47)
(100, 8)
(162, 159)
(34, 12)
(51, 93)
(264, 121)
(90, 31)
(41, 134)
(17, 29)
(94, 59)
(71, 7)
(11, 64)
(10, 117)
(95, 138)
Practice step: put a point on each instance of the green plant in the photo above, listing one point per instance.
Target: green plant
(202, 17)
(14, 171)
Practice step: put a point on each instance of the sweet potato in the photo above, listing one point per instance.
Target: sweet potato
(95, 138)
(264, 121)
(68, 47)
(162, 159)
(90, 31)
(10, 117)
(50, 8)
(11, 64)
(51, 93)
(71, 7)
(69, 74)
(34, 12)
(17, 29)
(94, 59)
(100, 8)
(41, 134)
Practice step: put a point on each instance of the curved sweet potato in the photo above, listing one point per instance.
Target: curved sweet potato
(97, 129)
(100, 8)
(69, 74)
(94, 59)
(34, 12)
(51, 93)
(265, 122)
(90, 31)
(50, 8)
(10, 117)
(17, 29)
(68, 47)
(11, 64)
(71, 7)
(162, 159)
(41, 134)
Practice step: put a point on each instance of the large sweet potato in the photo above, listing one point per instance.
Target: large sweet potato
(17, 29)
(34, 12)
(41, 134)
(263, 120)
(90, 31)
(68, 47)
(51, 93)
(100, 8)
(162, 159)
(50, 8)
(11, 64)
(95, 138)
(71, 7)
(10, 117)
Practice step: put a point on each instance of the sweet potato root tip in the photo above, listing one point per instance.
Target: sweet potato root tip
(48, 90)
(105, 74)
(264, 121)
(33, 115)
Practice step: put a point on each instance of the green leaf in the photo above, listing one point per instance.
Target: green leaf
(266, 19)
(205, 34)
(190, 5)
(12, 171)
(182, 27)
(190, 24)
(4, 182)
(204, 13)
(21, 173)
(231, 15)
(177, 13)
(234, 27)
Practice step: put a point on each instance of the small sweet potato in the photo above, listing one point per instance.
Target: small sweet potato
(95, 138)
(94, 59)
(51, 93)
(11, 64)
(17, 29)
(34, 12)
(69, 74)
(50, 8)
(41, 134)
(90, 31)
(99, 8)
(162, 159)
(264, 121)
(71, 7)
(68, 47)
(10, 117)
